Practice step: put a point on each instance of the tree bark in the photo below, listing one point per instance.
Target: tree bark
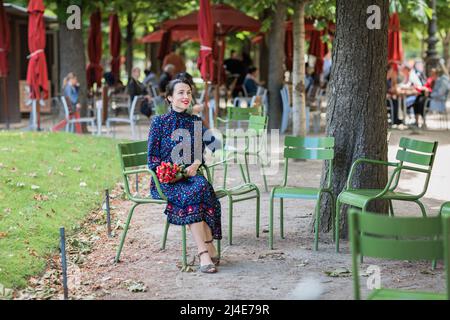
(276, 59)
(129, 40)
(264, 52)
(73, 60)
(298, 70)
(356, 113)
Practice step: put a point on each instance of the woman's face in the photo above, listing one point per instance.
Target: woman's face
(182, 97)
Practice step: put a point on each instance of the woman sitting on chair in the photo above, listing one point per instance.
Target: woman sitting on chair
(190, 201)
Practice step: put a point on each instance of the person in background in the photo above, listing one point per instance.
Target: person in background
(236, 73)
(440, 91)
(176, 60)
(392, 80)
(251, 83)
(137, 88)
(71, 91)
(165, 77)
(150, 77)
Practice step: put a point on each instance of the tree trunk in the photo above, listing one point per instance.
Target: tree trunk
(446, 49)
(356, 113)
(276, 59)
(264, 52)
(73, 60)
(129, 40)
(298, 70)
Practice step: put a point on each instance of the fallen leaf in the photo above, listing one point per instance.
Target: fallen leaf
(3, 235)
(40, 197)
(20, 184)
(34, 187)
(339, 272)
(135, 286)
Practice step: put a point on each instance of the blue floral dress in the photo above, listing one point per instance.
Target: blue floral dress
(192, 199)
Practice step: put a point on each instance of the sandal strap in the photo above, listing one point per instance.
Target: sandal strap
(209, 241)
(203, 252)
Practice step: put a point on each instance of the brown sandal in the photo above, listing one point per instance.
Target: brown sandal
(216, 259)
(208, 268)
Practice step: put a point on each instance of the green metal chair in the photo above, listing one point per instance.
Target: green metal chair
(236, 114)
(399, 238)
(418, 153)
(133, 160)
(254, 141)
(311, 148)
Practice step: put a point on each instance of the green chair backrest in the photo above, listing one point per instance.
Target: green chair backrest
(133, 154)
(417, 152)
(398, 238)
(257, 123)
(240, 114)
(311, 148)
(160, 109)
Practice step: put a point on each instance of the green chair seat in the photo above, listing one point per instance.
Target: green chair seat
(297, 193)
(392, 294)
(359, 197)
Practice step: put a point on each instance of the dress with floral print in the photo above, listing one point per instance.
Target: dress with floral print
(192, 199)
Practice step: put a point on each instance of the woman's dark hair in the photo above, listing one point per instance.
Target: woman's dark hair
(171, 86)
(187, 76)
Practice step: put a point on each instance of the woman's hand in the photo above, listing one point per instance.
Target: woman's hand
(192, 169)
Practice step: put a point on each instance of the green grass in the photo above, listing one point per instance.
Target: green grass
(30, 218)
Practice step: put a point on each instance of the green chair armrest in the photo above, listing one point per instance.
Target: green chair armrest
(152, 173)
(369, 161)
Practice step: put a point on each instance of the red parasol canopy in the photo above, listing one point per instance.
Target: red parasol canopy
(37, 77)
(114, 45)
(395, 50)
(318, 48)
(206, 34)
(94, 70)
(230, 19)
(4, 41)
(177, 36)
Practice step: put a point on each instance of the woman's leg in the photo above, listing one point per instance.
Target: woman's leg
(208, 237)
(199, 237)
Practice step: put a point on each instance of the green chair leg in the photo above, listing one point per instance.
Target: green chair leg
(218, 248)
(424, 212)
(246, 167)
(391, 208)
(244, 177)
(225, 170)
(271, 222)
(316, 225)
(124, 234)
(336, 225)
(230, 220)
(258, 201)
(166, 229)
(183, 239)
(263, 172)
(281, 219)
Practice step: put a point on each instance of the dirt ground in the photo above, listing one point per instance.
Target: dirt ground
(248, 270)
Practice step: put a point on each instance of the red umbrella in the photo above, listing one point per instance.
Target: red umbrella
(318, 48)
(205, 61)
(114, 45)
(230, 19)
(37, 77)
(94, 70)
(4, 41)
(4, 49)
(177, 36)
(206, 34)
(395, 50)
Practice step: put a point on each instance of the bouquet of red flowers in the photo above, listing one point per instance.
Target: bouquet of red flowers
(170, 172)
